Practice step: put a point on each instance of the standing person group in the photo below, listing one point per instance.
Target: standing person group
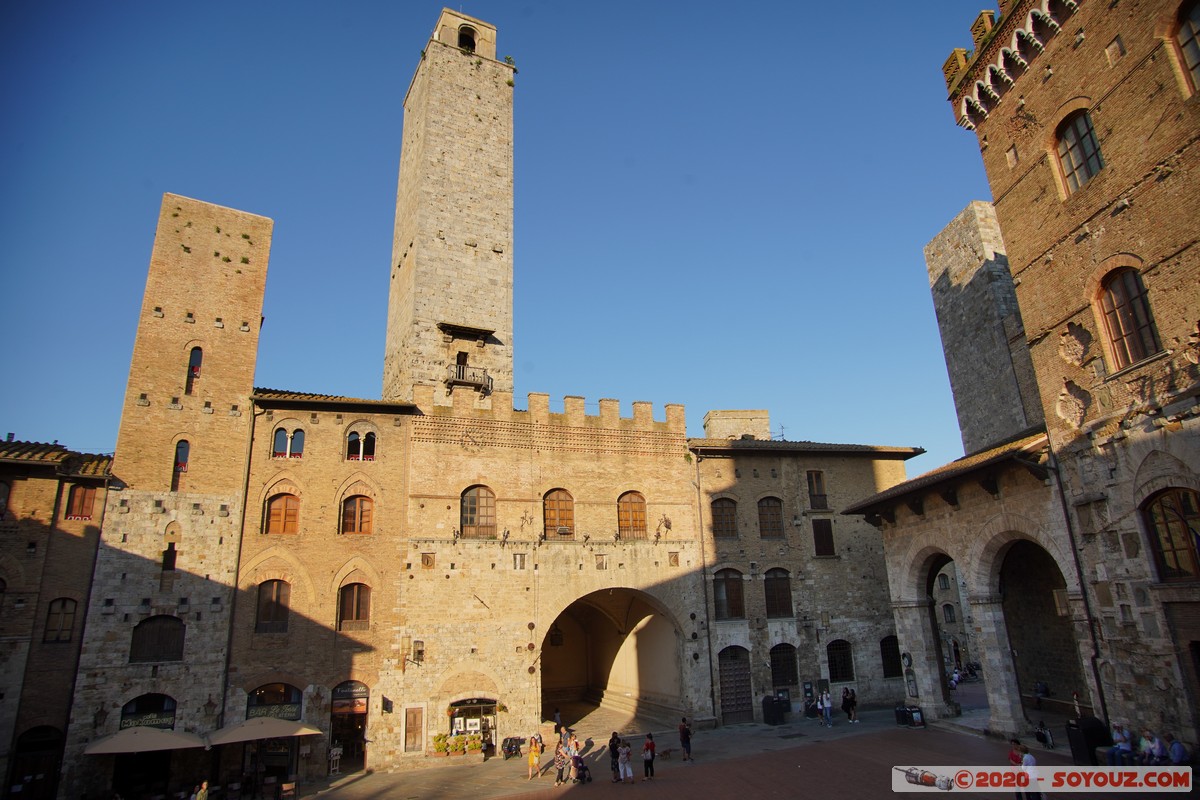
(850, 704)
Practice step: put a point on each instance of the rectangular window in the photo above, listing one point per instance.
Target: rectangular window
(80, 503)
(518, 560)
(816, 490)
(823, 537)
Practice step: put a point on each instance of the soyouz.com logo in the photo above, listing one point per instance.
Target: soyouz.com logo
(1042, 779)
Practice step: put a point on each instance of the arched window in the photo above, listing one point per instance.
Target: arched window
(477, 517)
(889, 656)
(149, 710)
(193, 370)
(727, 594)
(724, 518)
(60, 620)
(360, 447)
(283, 514)
(356, 514)
(275, 700)
(948, 614)
(354, 607)
(466, 38)
(1128, 323)
(157, 638)
(168, 557)
(1188, 39)
(783, 667)
(272, 609)
(80, 502)
(558, 513)
(183, 452)
(770, 518)
(841, 661)
(287, 443)
(1078, 152)
(1172, 520)
(631, 516)
(778, 587)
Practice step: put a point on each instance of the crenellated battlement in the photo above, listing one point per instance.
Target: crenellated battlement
(1004, 51)
(499, 406)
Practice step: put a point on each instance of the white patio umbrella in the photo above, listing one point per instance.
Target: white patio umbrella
(143, 739)
(261, 728)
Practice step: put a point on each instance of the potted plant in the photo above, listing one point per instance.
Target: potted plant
(458, 745)
(474, 743)
(440, 746)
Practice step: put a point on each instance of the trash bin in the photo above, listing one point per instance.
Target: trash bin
(917, 717)
(1085, 735)
(772, 710)
(903, 718)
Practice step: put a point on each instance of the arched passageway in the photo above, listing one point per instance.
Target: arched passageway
(616, 648)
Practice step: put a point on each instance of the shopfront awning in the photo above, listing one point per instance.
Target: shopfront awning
(261, 728)
(143, 739)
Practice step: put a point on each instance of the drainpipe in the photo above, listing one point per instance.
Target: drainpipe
(1087, 607)
(712, 680)
(237, 564)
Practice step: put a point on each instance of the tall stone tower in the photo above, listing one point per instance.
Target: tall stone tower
(987, 356)
(157, 628)
(450, 287)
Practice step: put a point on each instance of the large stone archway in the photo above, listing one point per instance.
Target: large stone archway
(616, 648)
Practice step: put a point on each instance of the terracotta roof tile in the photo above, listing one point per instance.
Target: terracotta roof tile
(66, 461)
(775, 446)
(1007, 451)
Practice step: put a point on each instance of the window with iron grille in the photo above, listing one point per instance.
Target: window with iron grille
(273, 604)
(770, 518)
(778, 587)
(841, 661)
(158, 638)
(1078, 152)
(724, 518)
(727, 594)
(1127, 319)
(783, 667)
(823, 537)
(478, 513)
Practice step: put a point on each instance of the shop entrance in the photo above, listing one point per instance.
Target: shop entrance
(348, 724)
(474, 717)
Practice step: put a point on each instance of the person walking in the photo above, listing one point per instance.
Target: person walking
(1029, 765)
(535, 757)
(853, 706)
(685, 739)
(614, 746)
(648, 757)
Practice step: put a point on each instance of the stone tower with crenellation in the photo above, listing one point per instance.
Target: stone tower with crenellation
(450, 302)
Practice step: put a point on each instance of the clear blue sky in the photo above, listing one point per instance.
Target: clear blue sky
(717, 204)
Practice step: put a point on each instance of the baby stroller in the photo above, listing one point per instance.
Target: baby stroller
(511, 747)
(580, 770)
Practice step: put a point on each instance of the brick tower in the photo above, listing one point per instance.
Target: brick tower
(450, 289)
(157, 623)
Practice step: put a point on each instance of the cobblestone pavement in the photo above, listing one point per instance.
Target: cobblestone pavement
(791, 760)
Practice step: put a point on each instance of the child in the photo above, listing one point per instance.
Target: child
(623, 761)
